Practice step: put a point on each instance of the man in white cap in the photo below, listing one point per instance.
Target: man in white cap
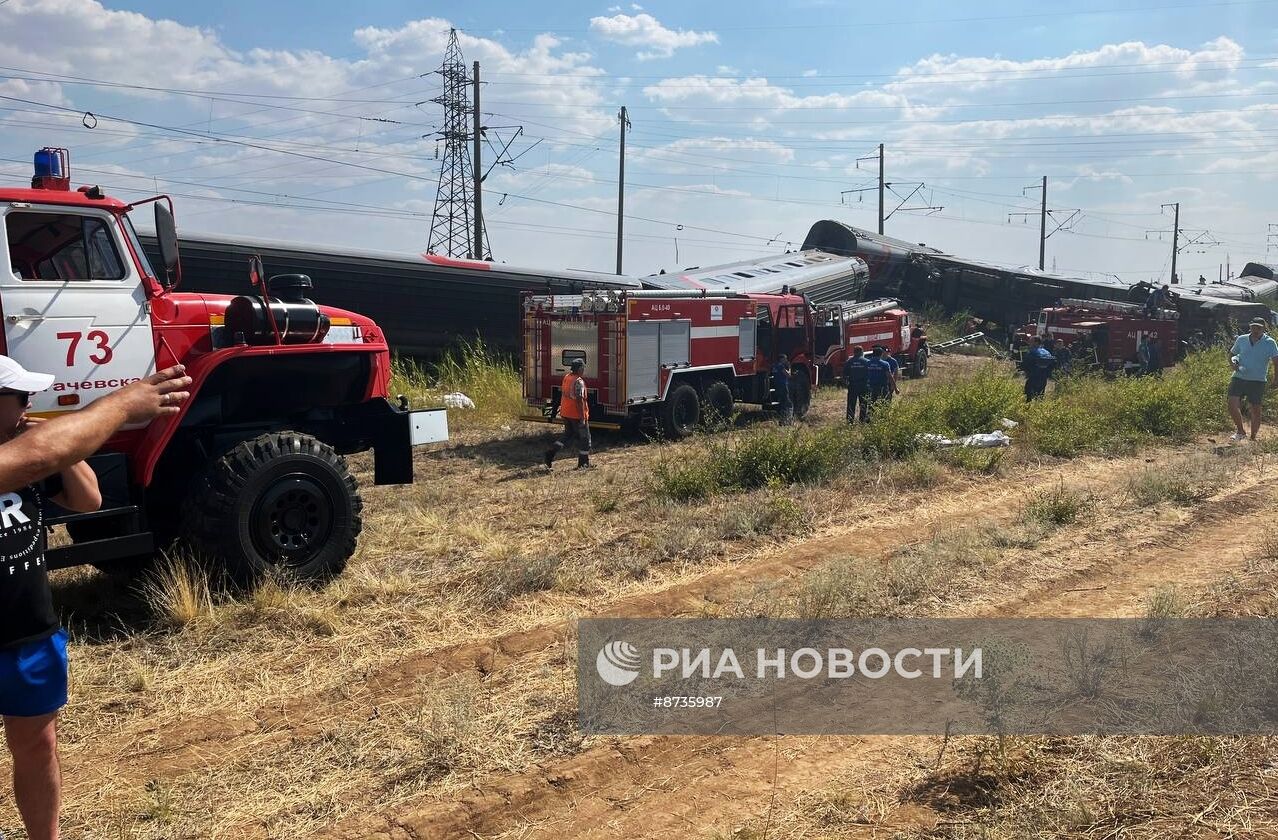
(33, 652)
(1252, 355)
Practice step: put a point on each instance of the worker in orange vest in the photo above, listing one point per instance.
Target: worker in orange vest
(575, 411)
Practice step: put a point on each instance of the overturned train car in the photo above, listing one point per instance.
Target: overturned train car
(1005, 298)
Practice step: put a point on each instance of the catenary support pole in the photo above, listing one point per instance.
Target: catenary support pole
(478, 171)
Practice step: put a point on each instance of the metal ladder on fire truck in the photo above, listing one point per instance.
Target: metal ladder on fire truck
(853, 311)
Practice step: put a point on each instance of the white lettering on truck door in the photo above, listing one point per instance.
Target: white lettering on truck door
(73, 304)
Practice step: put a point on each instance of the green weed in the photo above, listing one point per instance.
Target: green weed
(472, 368)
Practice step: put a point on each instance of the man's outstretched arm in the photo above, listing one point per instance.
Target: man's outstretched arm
(55, 445)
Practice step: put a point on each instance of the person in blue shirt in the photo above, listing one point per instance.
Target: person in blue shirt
(856, 373)
(1252, 355)
(781, 382)
(878, 376)
(1039, 363)
(1158, 298)
(1064, 357)
(895, 377)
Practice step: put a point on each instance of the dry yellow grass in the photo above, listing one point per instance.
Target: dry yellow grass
(178, 592)
(484, 545)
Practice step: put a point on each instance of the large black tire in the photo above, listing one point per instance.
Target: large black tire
(681, 412)
(920, 364)
(719, 403)
(800, 391)
(280, 504)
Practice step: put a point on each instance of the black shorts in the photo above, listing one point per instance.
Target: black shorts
(1252, 390)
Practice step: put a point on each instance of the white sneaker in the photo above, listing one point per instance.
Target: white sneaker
(1237, 436)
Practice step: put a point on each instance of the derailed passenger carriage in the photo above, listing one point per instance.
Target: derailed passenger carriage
(822, 277)
(1005, 298)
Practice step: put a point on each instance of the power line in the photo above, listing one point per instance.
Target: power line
(992, 122)
(58, 78)
(898, 106)
(865, 24)
(376, 211)
(1015, 75)
(354, 165)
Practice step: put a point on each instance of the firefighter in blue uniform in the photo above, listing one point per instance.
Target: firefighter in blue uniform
(1038, 364)
(894, 380)
(879, 377)
(856, 373)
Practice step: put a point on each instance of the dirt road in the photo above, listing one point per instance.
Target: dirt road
(392, 705)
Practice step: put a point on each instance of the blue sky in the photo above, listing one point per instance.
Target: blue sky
(266, 119)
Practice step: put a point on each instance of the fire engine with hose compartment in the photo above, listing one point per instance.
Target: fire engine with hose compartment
(842, 327)
(657, 357)
(1106, 334)
(250, 472)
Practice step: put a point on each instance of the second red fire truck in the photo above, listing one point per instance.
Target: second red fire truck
(663, 358)
(842, 327)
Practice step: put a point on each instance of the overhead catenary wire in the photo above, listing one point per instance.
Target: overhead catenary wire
(1053, 148)
(862, 23)
(524, 197)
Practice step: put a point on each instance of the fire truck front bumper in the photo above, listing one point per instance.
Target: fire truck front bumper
(396, 433)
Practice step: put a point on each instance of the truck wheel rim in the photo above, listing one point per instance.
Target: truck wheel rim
(292, 520)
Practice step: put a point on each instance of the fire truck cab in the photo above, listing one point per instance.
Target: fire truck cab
(250, 472)
(841, 327)
(1106, 334)
(666, 358)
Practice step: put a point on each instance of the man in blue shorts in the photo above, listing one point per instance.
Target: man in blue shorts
(1252, 355)
(42, 464)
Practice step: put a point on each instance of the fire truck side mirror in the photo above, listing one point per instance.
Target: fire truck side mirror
(166, 234)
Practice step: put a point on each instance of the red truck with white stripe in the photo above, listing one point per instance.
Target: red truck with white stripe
(250, 472)
(1106, 334)
(659, 357)
(841, 327)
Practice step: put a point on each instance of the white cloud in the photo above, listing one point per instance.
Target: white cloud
(759, 93)
(938, 117)
(1122, 65)
(644, 30)
(691, 149)
(392, 67)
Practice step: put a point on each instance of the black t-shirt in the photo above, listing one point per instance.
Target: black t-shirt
(26, 605)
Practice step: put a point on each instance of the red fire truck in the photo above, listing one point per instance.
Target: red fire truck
(841, 327)
(251, 470)
(655, 357)
(1106, 334)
